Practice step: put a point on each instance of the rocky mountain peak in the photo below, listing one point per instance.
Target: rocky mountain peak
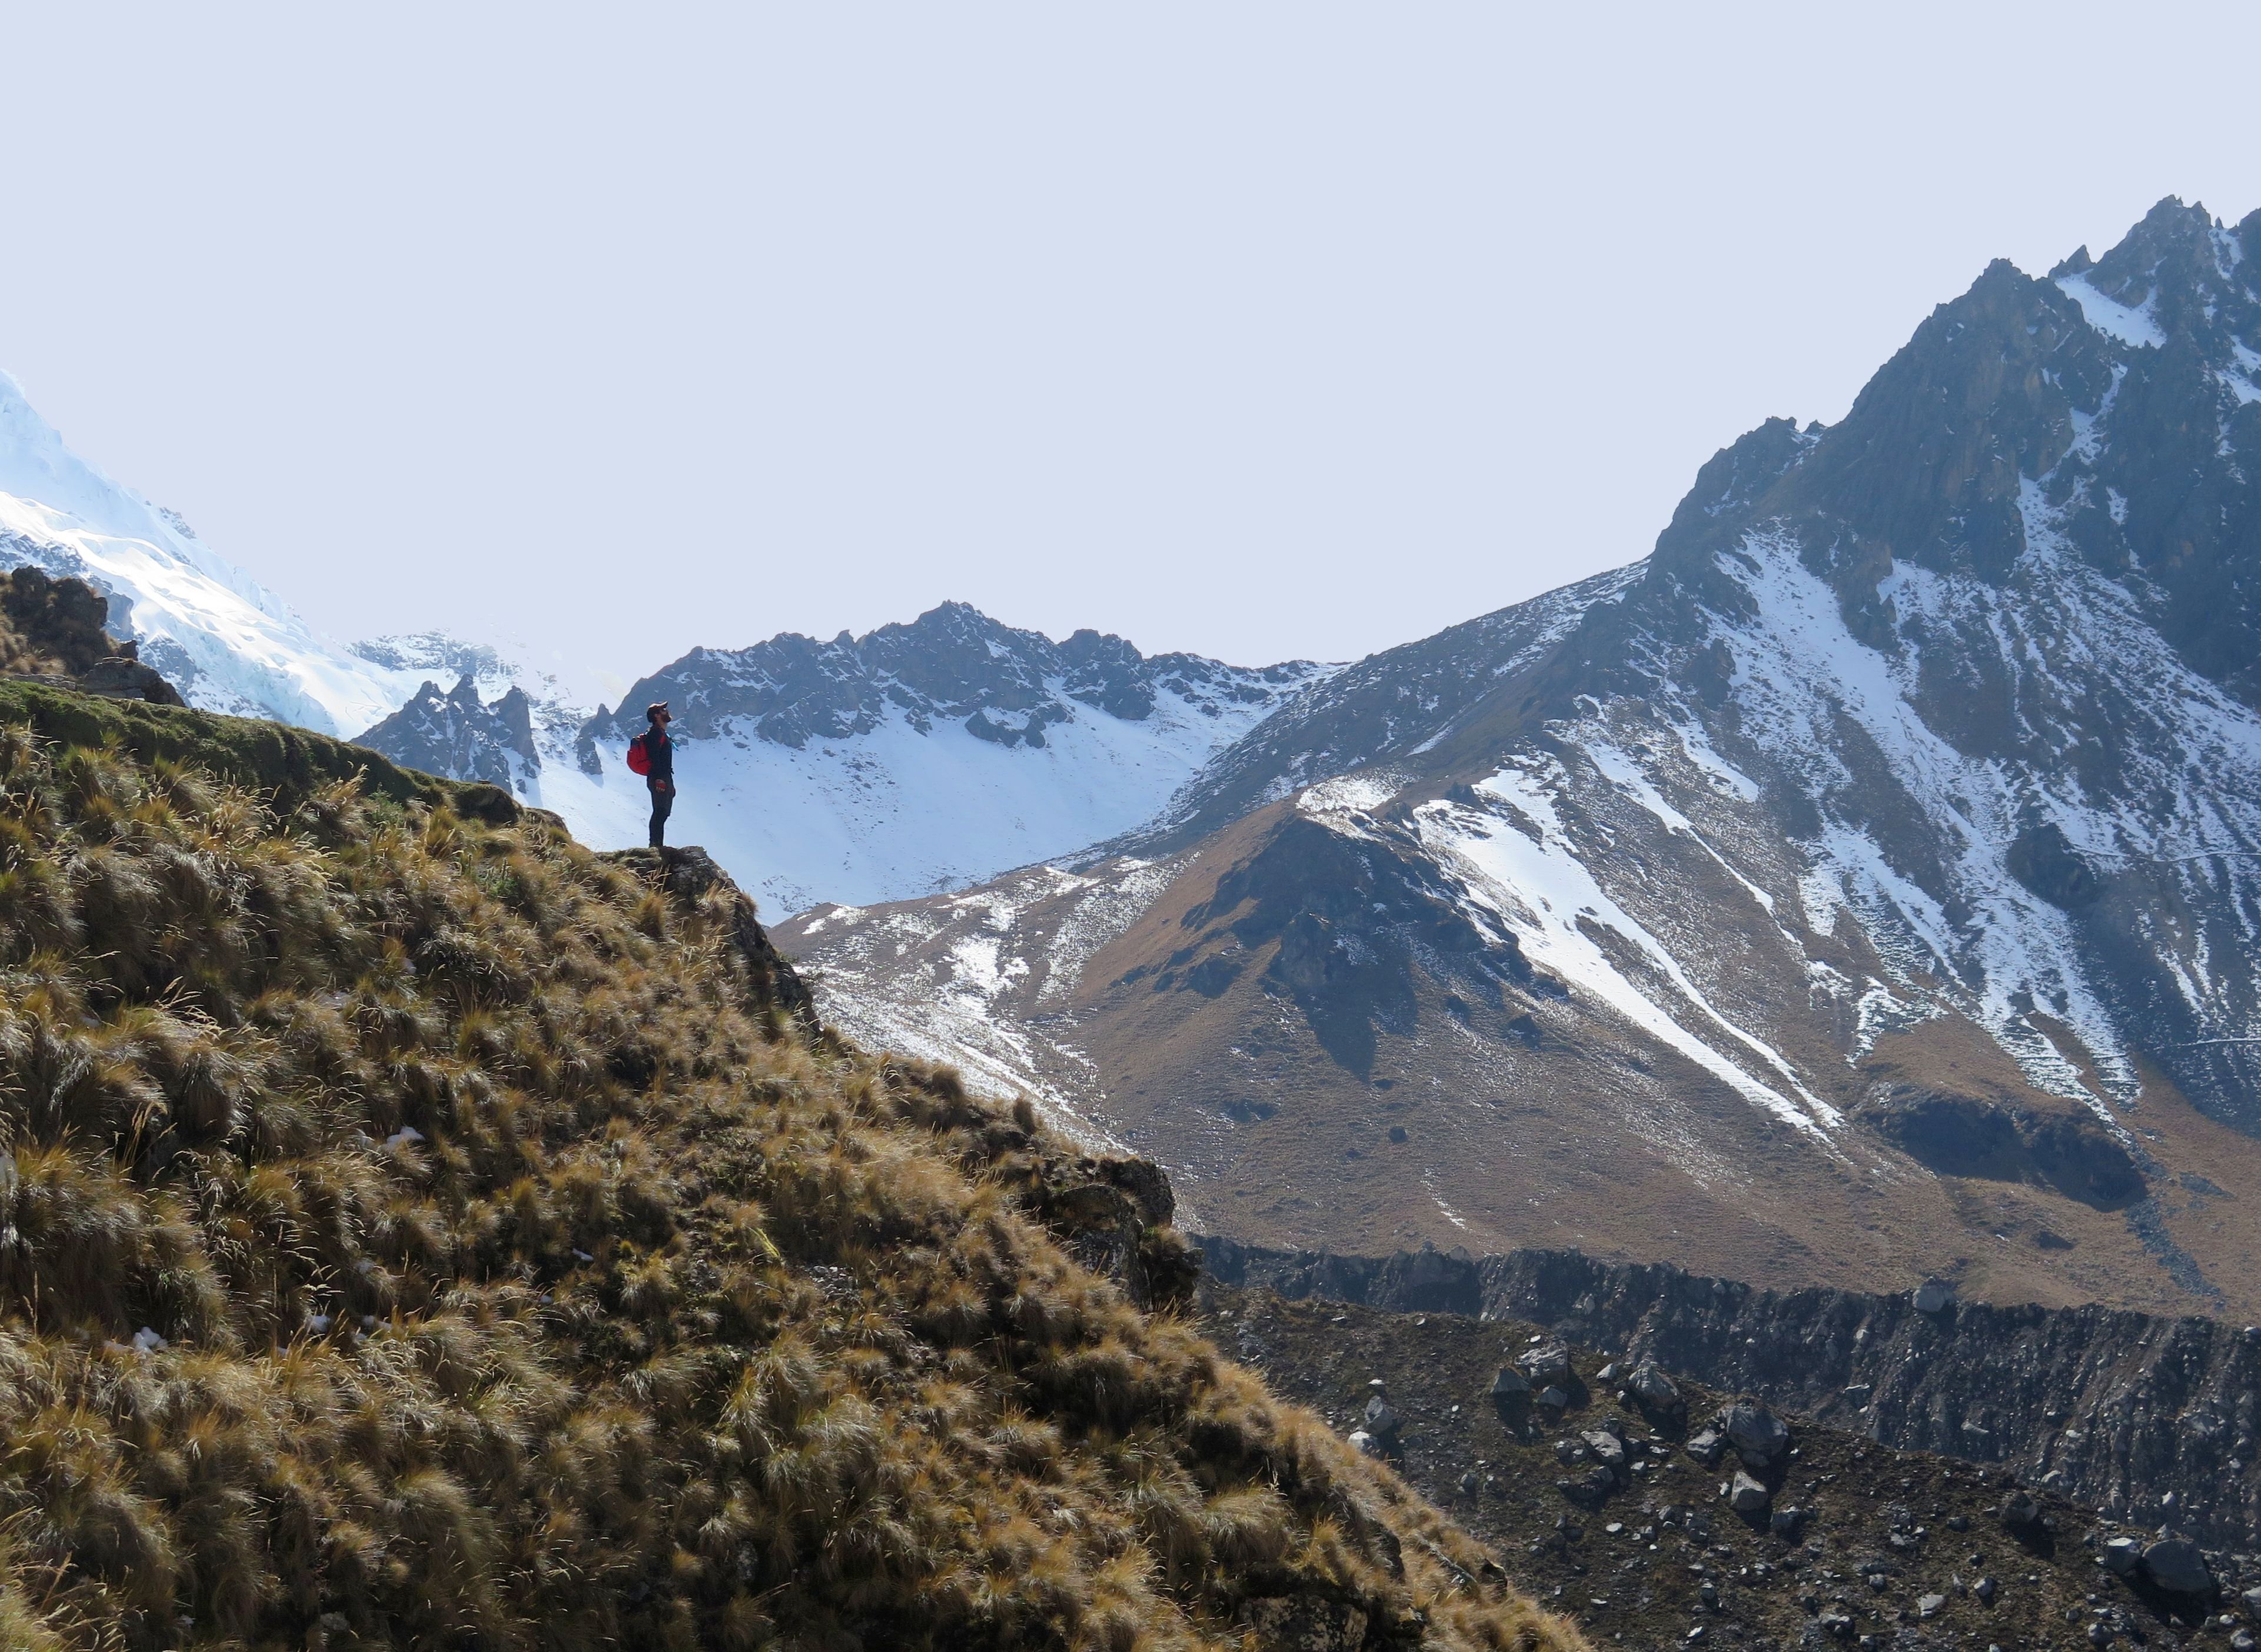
(2183, 267)
(952, 664)
(458, 736)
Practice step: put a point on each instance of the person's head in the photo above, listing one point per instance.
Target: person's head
(657, 715)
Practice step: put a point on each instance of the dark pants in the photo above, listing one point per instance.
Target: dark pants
(662, 803)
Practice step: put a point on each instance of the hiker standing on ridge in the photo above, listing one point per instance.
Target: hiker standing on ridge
(658, 768)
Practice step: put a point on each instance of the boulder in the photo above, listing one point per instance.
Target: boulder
(1510, 1385)
(1549, 1362)
(1706, 1446)
(1930, 1606)
(1652, 1387)
(2019, 1513)
(1757, 1434)
(1553, 1398)
(1382, 1418)
(1788, 1524)
(2175, 1565)
(1608, 1449)
(1365, 1443)
(1934, 1296)
(2252, 1599)
(2121, 1556)
(1596, 1483)
(1747, 1496)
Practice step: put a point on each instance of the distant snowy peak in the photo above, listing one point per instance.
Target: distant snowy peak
(919, 757)
(225, 642)
(952, 664)
(439, 656)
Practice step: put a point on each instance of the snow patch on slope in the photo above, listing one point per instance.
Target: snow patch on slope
(1531, 878)
(2111, 317)
(948, 980)
(1981, 941)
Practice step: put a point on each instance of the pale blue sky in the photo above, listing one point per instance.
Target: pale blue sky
(1256, 329)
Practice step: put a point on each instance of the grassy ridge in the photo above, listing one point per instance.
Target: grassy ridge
(285, 764)
(417, 1231)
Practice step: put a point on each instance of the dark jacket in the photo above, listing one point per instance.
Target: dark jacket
(659, 750)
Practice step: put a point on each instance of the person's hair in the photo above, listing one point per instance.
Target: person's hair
(651, 712)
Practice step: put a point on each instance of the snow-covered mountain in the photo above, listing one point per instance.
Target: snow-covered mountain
(1865, 885)
(919, 757)
(227, 643)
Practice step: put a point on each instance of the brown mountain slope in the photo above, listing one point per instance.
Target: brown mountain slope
(417, 1231)
(1372, 1110)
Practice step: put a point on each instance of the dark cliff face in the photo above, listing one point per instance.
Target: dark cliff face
(953, 663)
(2151, 1419)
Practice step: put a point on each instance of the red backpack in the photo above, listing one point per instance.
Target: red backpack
(639, 757)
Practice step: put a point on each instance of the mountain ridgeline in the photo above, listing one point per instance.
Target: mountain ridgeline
(954, 664)
(1862, 887)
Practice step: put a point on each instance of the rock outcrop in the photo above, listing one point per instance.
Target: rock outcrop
(691, 878)
(52, 630)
